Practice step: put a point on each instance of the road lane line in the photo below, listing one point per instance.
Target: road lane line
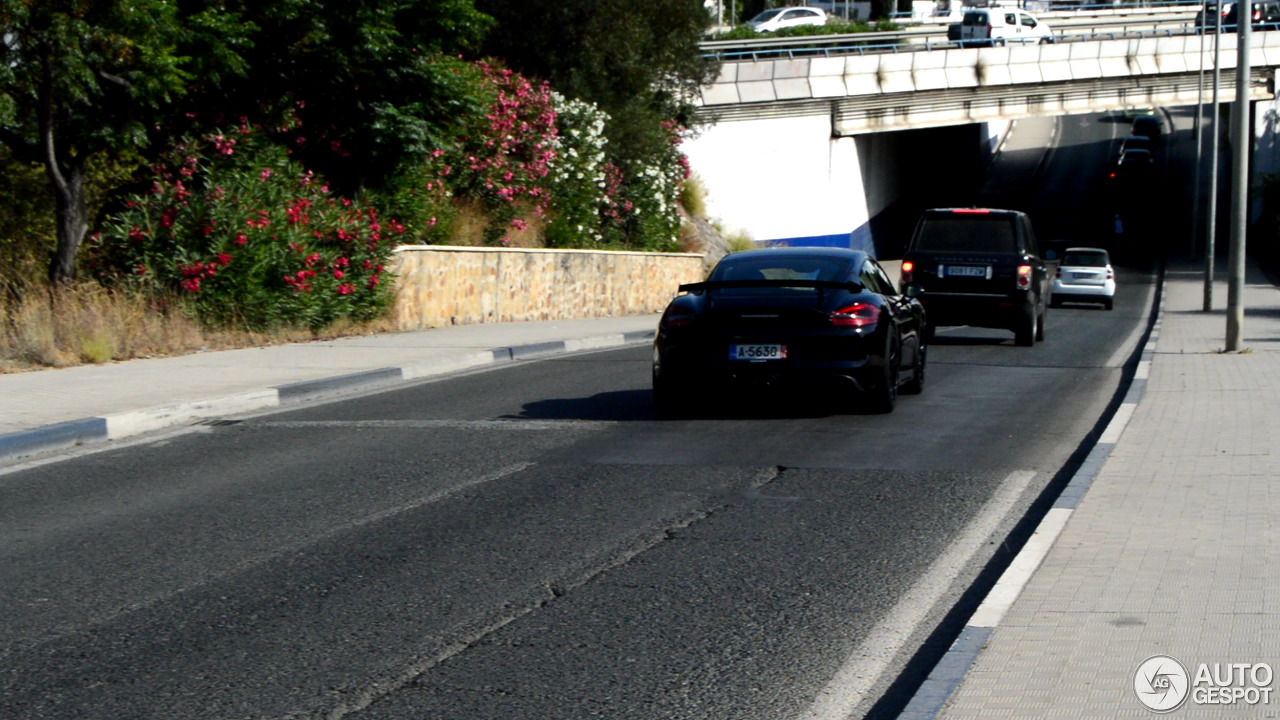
(262, 558)
(861, 672)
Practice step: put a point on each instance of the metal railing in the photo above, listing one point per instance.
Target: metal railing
(1143, 24)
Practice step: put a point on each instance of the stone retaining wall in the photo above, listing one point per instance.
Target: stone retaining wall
(442, 285)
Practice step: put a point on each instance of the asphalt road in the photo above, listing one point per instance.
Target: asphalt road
(531, 542)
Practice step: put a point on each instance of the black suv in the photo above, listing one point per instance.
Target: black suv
(980, 267)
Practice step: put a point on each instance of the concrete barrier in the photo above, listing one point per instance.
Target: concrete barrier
(444, 285)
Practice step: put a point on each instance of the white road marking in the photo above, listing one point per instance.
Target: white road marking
(262, 558)
(862, 670)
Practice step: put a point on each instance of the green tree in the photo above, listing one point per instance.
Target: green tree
(374, 82)
(639, 62)
(79, 78)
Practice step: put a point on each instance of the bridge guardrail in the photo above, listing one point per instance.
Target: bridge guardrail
(932, 39)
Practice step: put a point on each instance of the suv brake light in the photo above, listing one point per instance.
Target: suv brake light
(1024, 277)
(856, 315)
(907, 268)
(972, 211)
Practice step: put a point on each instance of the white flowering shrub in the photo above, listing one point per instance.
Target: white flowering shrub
(647, 200)
(594, 202)
(578, 175)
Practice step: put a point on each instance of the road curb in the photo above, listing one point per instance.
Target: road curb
(116, 426)
(948, 674)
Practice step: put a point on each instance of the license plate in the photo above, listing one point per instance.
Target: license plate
(757, 353)
(1085, 276)
(966, 271)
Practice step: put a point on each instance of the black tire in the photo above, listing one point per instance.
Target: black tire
(1040, 326)
(1055, 302)
(1025, 334)
(669, 399)
(926, 333)
(1107, 303)
(915, 385)
(882, 396)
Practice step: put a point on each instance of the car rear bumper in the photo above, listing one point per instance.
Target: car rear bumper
(992, 311)
(707, 366)
(1066, 291)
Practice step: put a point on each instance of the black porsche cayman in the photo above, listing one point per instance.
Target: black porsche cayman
(783, 316)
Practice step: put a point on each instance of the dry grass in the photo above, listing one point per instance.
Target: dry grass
(740, 241)
(693, 196)
(87, 323)
(469, 225)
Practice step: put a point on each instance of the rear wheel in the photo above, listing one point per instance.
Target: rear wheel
(915, 384)
(1107, 303)
(1025, 334)
(670, 399)
(882, 396)
(1040, 326)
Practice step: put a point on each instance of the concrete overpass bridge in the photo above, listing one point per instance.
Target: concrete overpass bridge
(823, 133)
(878, 92)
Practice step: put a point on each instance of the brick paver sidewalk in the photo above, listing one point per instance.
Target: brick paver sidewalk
(1174, 550)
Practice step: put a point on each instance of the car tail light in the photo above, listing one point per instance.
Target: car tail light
(1110, 276)
(856, 315)
(1058, 273)
(972, 211)
(676, 316)
(1024, 277)
(907, 268)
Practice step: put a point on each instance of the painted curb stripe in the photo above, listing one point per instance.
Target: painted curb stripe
(1084, 477)
(125, 424)
(120, 425)
(48, 437)
(949, 673)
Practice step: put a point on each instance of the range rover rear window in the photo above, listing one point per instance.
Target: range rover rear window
(963, 232)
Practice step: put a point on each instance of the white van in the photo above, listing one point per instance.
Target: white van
(1000, 25)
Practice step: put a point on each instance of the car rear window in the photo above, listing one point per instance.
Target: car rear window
(1084, 259)
(975, 18)
(779, 268)
(964, 232)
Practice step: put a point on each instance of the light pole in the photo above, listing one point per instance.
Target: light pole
(1195, 184)
(1242, 140)
(1212, 230)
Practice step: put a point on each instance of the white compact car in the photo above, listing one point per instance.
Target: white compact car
(779, 18)
(1001, 25)
(1085, 276)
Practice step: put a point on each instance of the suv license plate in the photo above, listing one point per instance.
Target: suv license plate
(967, 271)
(757, 353)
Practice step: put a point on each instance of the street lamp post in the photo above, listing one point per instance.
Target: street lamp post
(1242, 141)
(1211, 231)
(1195, 184)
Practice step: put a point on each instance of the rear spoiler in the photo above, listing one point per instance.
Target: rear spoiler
(724, 284)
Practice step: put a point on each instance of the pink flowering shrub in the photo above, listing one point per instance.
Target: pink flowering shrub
(503, 161)
(249, 238)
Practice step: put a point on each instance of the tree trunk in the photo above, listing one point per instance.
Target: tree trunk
(73, 224)
(66, 174)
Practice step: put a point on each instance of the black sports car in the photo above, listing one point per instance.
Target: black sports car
(790, 316)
